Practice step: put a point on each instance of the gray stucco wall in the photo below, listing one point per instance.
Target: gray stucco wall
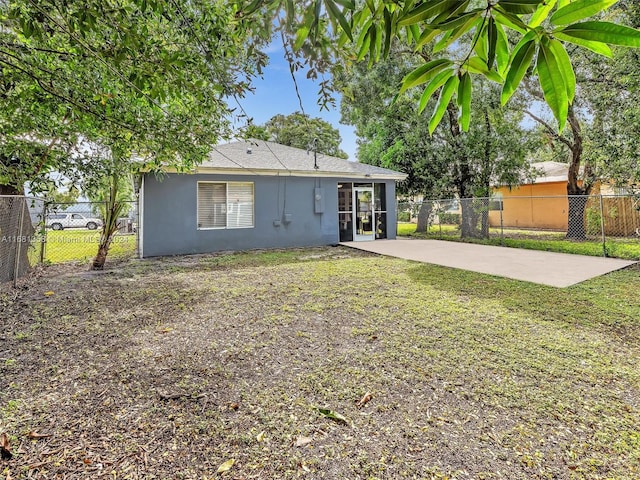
(169, 223)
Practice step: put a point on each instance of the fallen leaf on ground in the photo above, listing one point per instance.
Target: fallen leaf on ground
(301, 441)
(35, 435)
(260, 437)
(226, 466)
(49, 293)
(5, 451)
(364, 400)
(332, 415)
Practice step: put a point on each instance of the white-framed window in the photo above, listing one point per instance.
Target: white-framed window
(225, 205)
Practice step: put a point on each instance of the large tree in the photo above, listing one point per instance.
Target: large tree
(448, 162)
(301, 131)
(147, 82)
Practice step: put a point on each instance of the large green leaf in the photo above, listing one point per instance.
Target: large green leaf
(492, 40)
(502, 50)
(434, 85)
(579, 10)
(520, 7)
(427, 36)
(465, 18)
(452, 35)
(428, 10)
(480, 42)
(336, 15)
(478, 65)
(424, 73)
(388, 31)
(521, 59)
(464, 100)
(604, 32)
(509, 20)
(443, 101)
(552, 83)
(565, 67)
(348, 4)
(541, 13)
(597, 47)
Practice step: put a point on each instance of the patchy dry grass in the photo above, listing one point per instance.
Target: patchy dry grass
(167, 368)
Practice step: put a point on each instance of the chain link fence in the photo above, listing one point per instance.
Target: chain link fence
(21, 235)
(600, 224)
(34, 231)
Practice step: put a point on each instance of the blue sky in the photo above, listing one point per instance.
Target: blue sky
(275, 93)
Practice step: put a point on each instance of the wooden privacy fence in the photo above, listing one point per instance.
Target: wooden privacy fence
(621, 216)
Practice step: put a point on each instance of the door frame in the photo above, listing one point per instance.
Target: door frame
(362, 237)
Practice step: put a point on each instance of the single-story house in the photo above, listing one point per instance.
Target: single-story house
(257, 194)
(542, 203)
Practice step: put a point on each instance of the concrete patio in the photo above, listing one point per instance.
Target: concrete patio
(546, 268)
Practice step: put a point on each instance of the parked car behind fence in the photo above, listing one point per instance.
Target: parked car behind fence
(60, 221)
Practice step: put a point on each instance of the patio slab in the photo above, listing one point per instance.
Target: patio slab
(546, 268)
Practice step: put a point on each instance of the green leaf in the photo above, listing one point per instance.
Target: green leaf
(434, 85)
(332, 415)
(480, 42)
(552, 83)
(478, 65)
(348, 4)
(597, 47)
(541, 13)
(427, 35)
(604, 32)
(459, 21)
(520, 7)
(464, 101)
(522, 56)
(565, 67)
(509, 20)
(336, 14)
(388, 29)
(453, 35)
(424, 73)
(301, 36)
(443, 101)
(579, 10)
(502, 51)
(427, 10)
(492, 40)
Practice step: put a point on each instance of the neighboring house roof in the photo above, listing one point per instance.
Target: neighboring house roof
(550, 172)
(268, 158)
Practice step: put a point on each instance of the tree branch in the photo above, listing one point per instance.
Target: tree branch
(550, 129)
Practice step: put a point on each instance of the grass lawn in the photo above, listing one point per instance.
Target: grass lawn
(82, 245)
(170, 368)
(625, 248)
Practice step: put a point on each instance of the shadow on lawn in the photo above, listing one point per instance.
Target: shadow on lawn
(607, 301)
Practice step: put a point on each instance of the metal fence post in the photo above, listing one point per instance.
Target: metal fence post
(604, 238)
(43, 232)
(501, 224)
(16, 266)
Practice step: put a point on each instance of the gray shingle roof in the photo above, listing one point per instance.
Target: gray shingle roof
(273, 157)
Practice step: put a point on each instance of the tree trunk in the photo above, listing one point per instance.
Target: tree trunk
(578, 192)
(470, 219)
(576, 229)
(423, 216)
(463, 179)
